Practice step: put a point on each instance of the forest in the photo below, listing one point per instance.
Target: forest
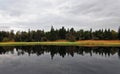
(59, 34)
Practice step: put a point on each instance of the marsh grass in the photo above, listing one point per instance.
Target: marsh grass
(77, 43)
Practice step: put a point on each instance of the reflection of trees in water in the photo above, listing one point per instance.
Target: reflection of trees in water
(6, 50)
(62, 51)
(119, 52)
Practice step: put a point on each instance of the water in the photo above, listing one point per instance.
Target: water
(59, 60)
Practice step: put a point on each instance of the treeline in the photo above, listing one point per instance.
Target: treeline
(59, 34)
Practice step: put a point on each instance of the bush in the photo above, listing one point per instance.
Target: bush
(5, 39)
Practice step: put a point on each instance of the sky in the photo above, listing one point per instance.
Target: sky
(42, 14)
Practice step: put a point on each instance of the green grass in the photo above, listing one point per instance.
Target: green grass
(113, 44)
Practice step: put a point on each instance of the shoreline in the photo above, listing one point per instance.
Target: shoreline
(104, 43)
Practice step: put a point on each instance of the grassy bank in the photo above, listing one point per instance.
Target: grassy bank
(58, 43)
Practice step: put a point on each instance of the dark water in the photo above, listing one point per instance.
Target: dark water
(59, 60)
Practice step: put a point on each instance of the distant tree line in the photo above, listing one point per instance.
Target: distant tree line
(59, 34)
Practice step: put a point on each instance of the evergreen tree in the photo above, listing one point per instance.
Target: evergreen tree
(62, 33)
(119, 33)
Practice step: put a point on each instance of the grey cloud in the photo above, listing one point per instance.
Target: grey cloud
(41, 14)
(6, 28)
(104, 8)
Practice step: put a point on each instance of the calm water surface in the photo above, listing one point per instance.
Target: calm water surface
(59, 60)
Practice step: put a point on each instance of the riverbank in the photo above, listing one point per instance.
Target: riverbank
(112, 43)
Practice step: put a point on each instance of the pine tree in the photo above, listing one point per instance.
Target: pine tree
(119, 33)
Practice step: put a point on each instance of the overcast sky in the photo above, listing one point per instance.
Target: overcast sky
(42, 14)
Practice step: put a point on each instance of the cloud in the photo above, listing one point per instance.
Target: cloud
(41, 14)
(4, 28)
